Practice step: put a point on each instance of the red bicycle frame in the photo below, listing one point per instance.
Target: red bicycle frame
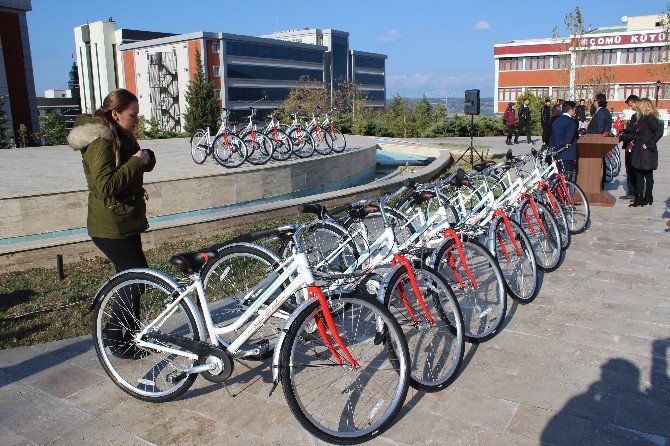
(400, 259)
(459, 248)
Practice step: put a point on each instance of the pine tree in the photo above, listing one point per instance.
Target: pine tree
(423, 116)
(203, 105)
(53, 130)
(4, 144)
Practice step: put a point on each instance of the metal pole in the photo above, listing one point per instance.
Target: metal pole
(658, 87)
(59, 266)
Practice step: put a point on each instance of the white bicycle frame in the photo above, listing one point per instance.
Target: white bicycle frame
(296, 263)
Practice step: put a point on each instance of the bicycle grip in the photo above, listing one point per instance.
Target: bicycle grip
(340, 209)
(262, 233)
(313, 208)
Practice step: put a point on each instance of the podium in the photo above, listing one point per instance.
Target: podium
(592, 149)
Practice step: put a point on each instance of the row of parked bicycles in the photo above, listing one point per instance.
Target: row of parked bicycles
(258, 145)
(355, 303)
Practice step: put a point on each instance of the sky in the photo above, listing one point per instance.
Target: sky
(437, 48)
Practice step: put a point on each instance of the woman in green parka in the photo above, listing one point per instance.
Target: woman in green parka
(114, 166)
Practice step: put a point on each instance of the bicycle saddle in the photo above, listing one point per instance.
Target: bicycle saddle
(314, 208)
(360, 210)
(192, 260)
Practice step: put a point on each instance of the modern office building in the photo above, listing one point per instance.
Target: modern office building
(616, 60)
(64, 102)
(245, 70)
(17, 83)
(97, 52)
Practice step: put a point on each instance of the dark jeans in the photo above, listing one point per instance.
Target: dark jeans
(644, 184)
(546, 132)
(524, 127)
(630, 172)
(125, 254)
(510, 132)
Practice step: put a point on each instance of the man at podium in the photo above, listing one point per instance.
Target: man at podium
(564, 135)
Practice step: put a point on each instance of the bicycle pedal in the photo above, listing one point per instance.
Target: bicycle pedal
(175, 377)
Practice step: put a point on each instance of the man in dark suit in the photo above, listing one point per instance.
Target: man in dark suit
(545, 119)
(602, 118)
(564, 139)
(524, 121)
(627, 138)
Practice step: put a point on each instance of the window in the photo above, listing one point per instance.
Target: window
(561, 92)
(510, 63)
(372, 95)
(217, 94)
(370, 79)
(590, 91)
(238, 71)
(217, 71)
(646, 91)
(652, 54)
(265, 51)
(215, 47)
(561, 62)
(369, 62)
(537, 63)
(509, 94)
(540, 92)
(597, 57)
(256, 94)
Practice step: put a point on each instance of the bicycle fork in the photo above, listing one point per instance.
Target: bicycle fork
(452, 262)
(402, 260)
(536, 214)
(508, 228)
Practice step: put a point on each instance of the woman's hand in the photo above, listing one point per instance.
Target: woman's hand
(143, 155)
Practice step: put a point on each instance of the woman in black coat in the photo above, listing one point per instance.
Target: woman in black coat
(644, 157)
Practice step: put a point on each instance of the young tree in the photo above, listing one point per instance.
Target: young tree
(4, 131)
(23, 137)
(423, 116)
(309, 97)
(203, 105)
(53, 131)
(398, 117)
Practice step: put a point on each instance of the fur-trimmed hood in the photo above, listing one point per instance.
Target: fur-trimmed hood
(87, 130)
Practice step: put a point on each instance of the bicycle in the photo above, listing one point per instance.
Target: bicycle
(226, 148)
(259, 145)
(153, 341)
(303, 142)
(283, 146)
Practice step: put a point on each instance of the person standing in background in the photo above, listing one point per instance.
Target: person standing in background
(545, 119)
(580, 114)
(592, 108)
(509, 119)
(524, 121)
(602, 119)
(563, 139)
(627, 144)
(644, 156)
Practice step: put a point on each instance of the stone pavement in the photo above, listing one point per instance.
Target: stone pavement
(585, 363)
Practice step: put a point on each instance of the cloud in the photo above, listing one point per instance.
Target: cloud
(461, 82)
(483, 24)
(392, 36)
(419, 83)
(412, 81)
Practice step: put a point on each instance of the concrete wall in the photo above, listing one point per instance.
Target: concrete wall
(30, 215)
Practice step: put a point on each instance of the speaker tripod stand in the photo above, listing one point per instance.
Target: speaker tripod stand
(471, 149)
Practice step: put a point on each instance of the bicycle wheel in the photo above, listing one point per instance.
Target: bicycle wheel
(329, 247)
(520, 271)
(129, 302)
(436, 351)
(483, 306)
(322, 141)
(259, 147)
(338, 141)
(559, 214)
(229, 150)
(199, 148)
(403, 228)
(231, 283)
(544, 235)
(574, 204)
(339, 403)
(303, 143)
(283, 147)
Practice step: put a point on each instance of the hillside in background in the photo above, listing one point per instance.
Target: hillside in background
(454, 105)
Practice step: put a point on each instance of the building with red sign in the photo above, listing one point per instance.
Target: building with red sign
(618, 61)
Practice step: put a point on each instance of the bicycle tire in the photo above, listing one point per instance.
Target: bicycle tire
(436, 351)
(577, 212)
(402, 225)
(338, 141)
(374, 394)
(562, 221)
(322, 141)
(133, 369)
(259, 149)
(198, 153)
(232, 275)
(303, 143)
(521, 274)
(283, 147)
(232, 153)
(483, 311)
(546, 244)
(329, 247)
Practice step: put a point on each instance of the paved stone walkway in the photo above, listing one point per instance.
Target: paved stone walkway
(585, 363)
